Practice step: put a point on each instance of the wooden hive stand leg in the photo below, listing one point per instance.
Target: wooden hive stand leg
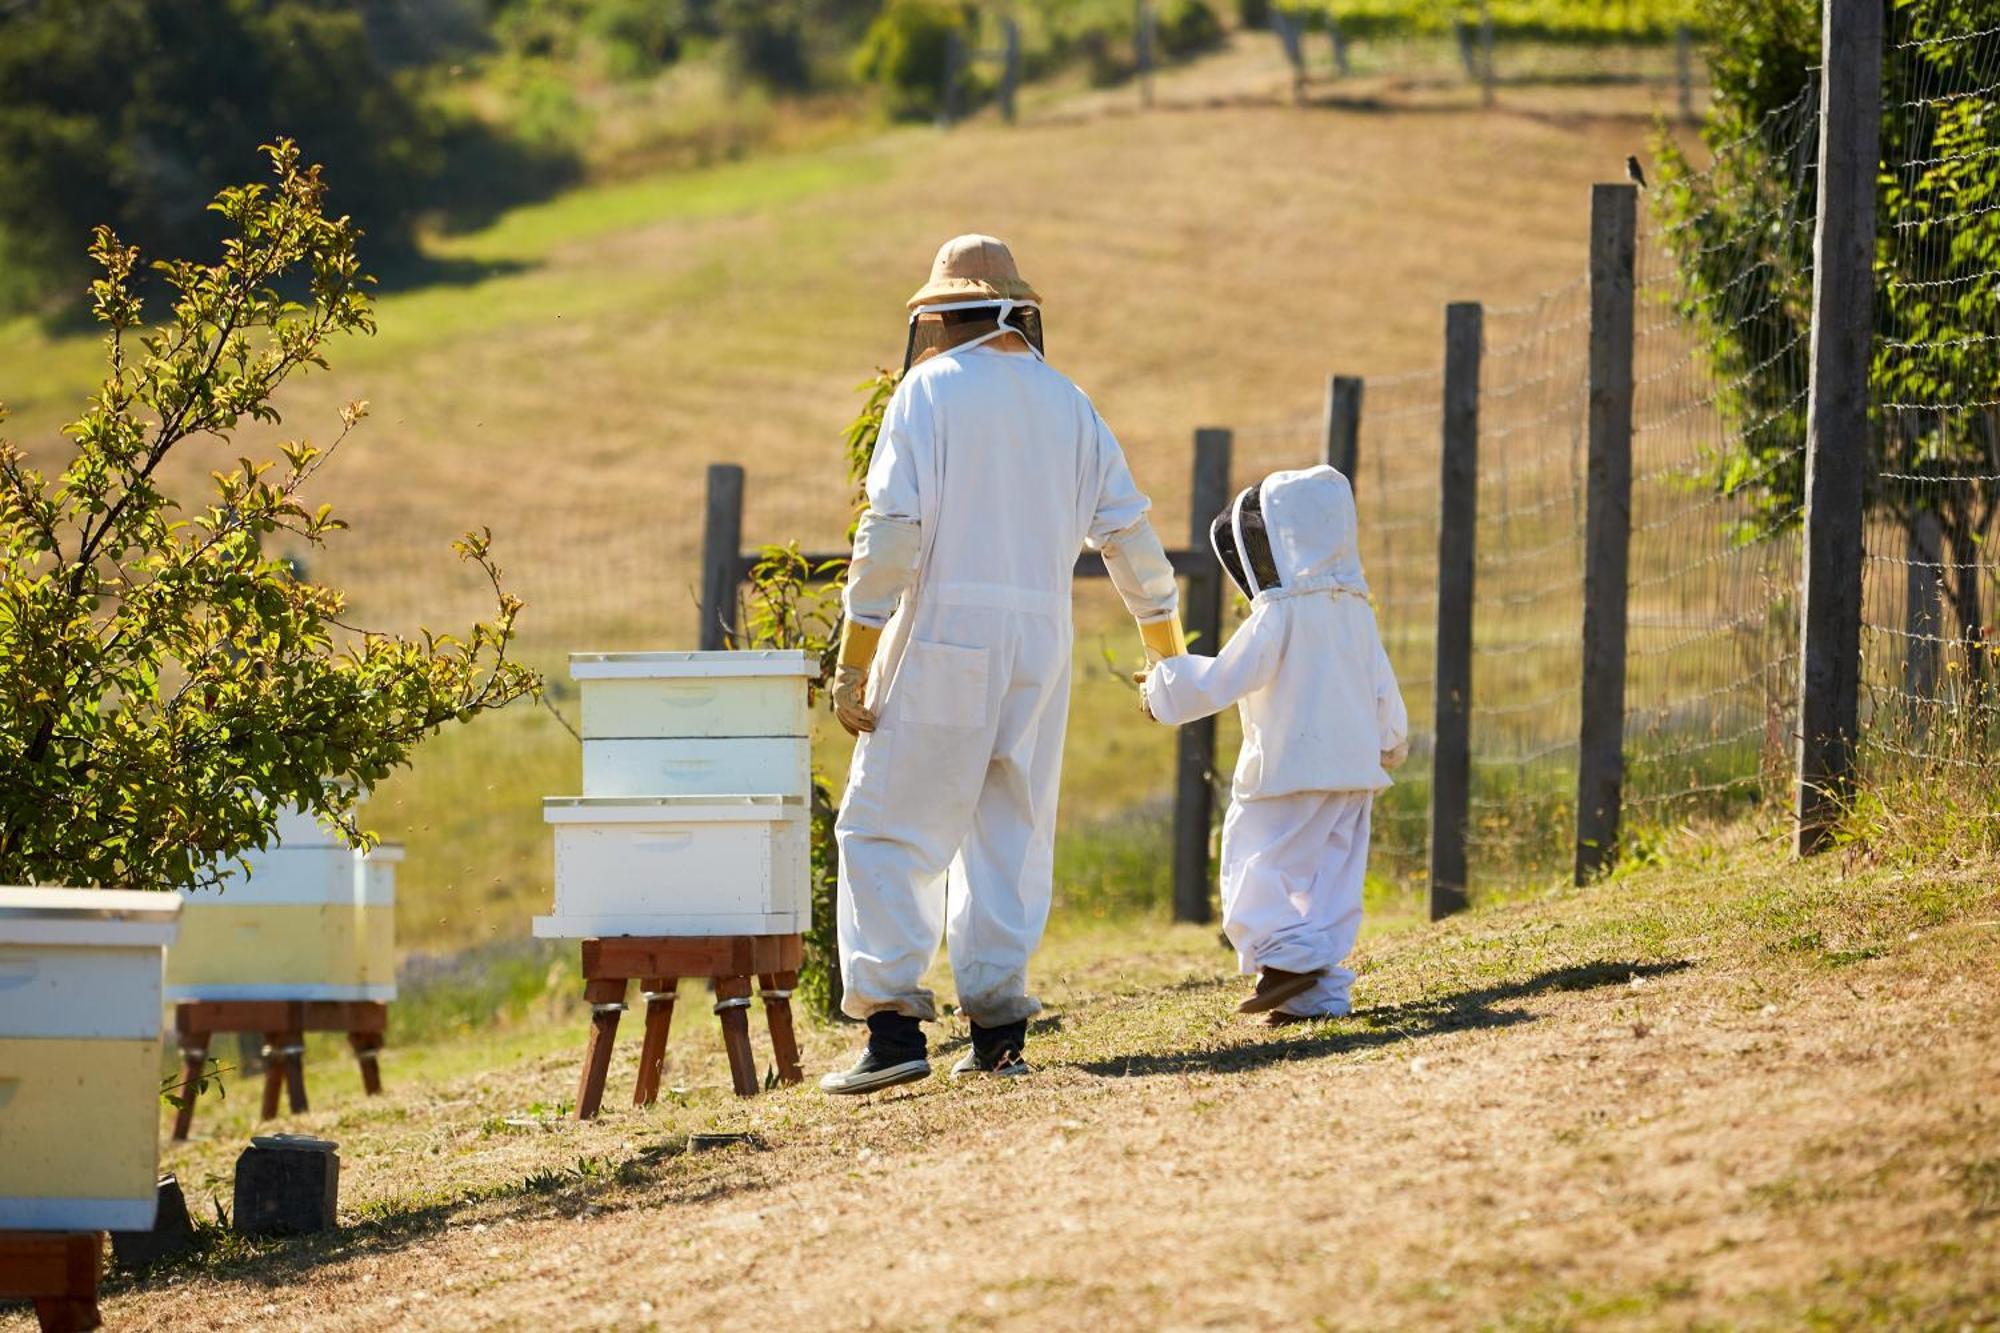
(732, 1006)
(778, 1013)
(274, 1073)
(295, 1069)
(658, 992)
(367, 1047)
(607, 1001)
(194, 1057)
(58, 1272)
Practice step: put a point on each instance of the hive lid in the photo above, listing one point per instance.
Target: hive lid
(685, 666)
(669, 809)
(87, 916)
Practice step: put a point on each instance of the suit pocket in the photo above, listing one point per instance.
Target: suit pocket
(939, 685)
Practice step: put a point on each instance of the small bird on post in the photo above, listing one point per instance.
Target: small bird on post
(1633, 172)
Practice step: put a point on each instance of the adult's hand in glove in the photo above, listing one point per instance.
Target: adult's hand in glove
(850, 687)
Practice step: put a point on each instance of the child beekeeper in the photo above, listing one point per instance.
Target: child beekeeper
(1323, 722)
(991, 472)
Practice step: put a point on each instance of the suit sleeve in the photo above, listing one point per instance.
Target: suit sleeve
(1187, 688)
(1392, 719)
(1121, 530)
(888, 540)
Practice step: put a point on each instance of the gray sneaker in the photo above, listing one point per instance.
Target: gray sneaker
(1009, 1065)
(871, 1075)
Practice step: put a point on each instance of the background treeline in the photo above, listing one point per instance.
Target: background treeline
(437, 113)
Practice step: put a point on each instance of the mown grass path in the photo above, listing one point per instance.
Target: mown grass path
(1729, 1090)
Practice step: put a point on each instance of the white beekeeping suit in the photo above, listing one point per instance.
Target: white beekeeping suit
(991, 473)
(1323, 721)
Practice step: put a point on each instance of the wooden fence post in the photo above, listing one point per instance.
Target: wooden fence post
(1487, 71)
(1607, 540)
(1837, 440)
(721, 555)
(1291, 39)
(1143, 34)
(1923, 614)
(955, 56)
(1451, 765)
(1684, 71)
(1343, 425)
(1194, 790)
(1010, 68)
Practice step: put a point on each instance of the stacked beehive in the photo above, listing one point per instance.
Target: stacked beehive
(314, 920)
(80, 1057)
(697, 770)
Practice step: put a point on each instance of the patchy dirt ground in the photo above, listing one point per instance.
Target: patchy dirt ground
(1690, 1097)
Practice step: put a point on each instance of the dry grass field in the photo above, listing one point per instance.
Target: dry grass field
(580, 363)
(1725, 1091)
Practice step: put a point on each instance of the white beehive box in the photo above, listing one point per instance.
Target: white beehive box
(697, 771)
(80, 981)
(314, 920)
(678, 865)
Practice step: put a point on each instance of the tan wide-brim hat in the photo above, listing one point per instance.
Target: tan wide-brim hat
(974, 268)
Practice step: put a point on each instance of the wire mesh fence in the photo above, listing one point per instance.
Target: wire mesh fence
(1931, 576)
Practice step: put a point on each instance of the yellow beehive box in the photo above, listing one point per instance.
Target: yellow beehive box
(375, 892)
(309, 922)
(80, 1004)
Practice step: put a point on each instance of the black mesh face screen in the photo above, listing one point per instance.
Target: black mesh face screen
(1257, 542)
(1222, 536)
(951, 328)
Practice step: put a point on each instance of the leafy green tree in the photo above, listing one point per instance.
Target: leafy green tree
(134, 112)
(166, 682)
(906, 53)
(1742, 237)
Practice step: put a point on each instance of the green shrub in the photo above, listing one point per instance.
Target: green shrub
(167, 682)
(1186, 28)
(906, 52)
(639, 37)
(1254, 13)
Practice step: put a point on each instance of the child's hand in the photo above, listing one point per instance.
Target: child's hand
(1142, 679)
(1393, 759)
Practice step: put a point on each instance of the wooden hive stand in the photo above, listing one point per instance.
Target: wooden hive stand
(658, 963)
(283, 1025)
(58, 1271)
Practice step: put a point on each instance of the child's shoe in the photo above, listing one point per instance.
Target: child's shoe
(1274, 987)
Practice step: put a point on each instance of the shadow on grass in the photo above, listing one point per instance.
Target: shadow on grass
(1385, 1025)
(582, 1189)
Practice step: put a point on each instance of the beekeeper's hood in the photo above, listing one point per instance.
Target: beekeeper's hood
(1294, 532)
(975, 294)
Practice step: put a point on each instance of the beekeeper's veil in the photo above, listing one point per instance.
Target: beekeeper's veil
(975, 294)
(1292, 532)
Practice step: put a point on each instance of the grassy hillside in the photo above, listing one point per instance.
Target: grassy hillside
(1726, 1090)
(572, 369)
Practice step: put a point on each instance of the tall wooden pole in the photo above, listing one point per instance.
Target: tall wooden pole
(1194, 786)
(1600, 771)
(1451, 769)
(1837, 438)
(721, 556)
(1343, 424)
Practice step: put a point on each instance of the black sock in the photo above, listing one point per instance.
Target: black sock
(989, 1044)
(895, 1038)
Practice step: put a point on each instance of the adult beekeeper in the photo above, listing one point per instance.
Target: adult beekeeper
(991, 472)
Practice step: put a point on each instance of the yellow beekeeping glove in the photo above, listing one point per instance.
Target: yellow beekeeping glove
(850, 677)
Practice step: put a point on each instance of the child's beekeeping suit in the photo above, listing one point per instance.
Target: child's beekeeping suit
(1323, 721)
(991, 473)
